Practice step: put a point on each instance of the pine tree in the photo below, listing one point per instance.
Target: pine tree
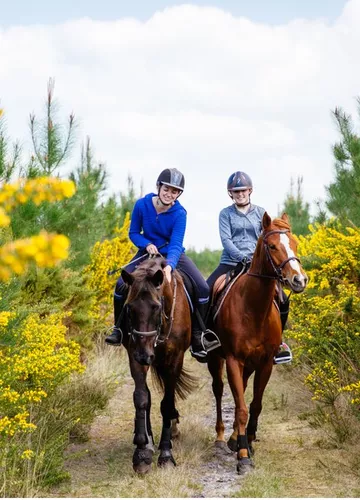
(52, 145)
(297, 209)
(344, 192)
(7, 164)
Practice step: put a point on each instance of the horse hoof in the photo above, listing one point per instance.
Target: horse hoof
(166, 462)
(142, 460)
(221, 445)
(142, 468)
(244, 466)
(232, 444)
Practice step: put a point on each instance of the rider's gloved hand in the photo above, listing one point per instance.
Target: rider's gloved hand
(152, 249)
(167, 271)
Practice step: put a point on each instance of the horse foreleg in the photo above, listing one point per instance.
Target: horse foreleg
(261, 379)
(216, 366)
(143, 439)
(169, 415)
(235, 370)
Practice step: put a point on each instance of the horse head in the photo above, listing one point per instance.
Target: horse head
(145, 308)
(280, 248)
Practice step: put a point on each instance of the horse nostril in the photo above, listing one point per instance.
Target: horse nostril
(300, 279)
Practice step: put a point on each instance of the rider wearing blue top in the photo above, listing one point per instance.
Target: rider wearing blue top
(240, 226)
(158, 222)
(165, 228)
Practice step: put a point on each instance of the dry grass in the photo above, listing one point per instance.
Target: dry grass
(290, 459)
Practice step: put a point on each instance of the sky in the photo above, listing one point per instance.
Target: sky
(208, 87)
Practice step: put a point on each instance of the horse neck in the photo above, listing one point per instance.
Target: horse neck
(168, 295)
(259, 291)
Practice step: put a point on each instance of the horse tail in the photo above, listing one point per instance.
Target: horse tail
(185, 382)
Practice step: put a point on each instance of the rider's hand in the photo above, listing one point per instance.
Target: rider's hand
(167, 271)
(152, 249)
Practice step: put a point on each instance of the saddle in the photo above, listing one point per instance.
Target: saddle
(224, 282)
(223, 285)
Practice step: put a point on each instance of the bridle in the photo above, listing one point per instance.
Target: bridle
(277, 269)
(133, 333)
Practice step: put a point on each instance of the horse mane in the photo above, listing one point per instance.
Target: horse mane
(146, 270)
(281, 224)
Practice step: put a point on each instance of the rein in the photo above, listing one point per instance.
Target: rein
(278, 274)
(158, 339)
(157, 333)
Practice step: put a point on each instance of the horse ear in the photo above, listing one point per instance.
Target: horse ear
(285, 218)
(266, 220)
(158, 278)
(127, 277)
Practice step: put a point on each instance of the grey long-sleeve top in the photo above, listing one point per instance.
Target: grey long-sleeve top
(239, 233)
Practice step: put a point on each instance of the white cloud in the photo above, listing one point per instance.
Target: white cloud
(196, 88)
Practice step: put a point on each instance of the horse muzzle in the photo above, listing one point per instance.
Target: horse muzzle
(144, 358)
(298, 282)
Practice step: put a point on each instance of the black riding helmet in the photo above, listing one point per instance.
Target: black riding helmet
(171, 177)
(239, 181)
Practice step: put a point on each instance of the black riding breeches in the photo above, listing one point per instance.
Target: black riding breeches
(221, 269)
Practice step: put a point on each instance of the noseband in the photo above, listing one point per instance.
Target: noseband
(277, 269)
(157, 333)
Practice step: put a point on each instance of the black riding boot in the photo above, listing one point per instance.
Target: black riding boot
(284, 354)
(203, 340)
(116, 336)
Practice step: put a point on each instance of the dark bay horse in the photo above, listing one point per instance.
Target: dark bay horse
(249, 327)
(158, 322)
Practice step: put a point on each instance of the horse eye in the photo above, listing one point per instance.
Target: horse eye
(272, 247)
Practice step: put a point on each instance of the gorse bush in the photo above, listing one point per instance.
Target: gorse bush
(326, 319)
(53, 306)
(106, 256)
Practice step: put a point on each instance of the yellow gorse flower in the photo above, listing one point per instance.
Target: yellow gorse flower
(107, 255)
(326, 318)
(31, 369)
(45, 249)
(38, 190)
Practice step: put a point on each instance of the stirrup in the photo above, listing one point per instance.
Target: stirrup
(210, 343)
(284, 355)
(115, 333)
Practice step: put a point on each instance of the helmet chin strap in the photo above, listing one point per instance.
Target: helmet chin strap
(241, 204)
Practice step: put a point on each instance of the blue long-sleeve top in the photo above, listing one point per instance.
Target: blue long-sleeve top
(147, 226)
(239, 233)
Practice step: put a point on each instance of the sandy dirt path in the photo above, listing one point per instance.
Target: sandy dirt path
(292, 458)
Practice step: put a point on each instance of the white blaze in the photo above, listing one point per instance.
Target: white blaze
(284, 239)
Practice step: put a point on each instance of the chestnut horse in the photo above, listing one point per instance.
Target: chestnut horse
(249, 327)
(158, 322)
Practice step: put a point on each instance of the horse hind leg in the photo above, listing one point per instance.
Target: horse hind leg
(215, 367)
(175, 432)
(261, 379)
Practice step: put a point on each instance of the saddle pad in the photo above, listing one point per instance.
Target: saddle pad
(189, 289)
(219, 300)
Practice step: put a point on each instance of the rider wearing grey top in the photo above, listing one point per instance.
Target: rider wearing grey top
(239, 233)
(240, 226)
